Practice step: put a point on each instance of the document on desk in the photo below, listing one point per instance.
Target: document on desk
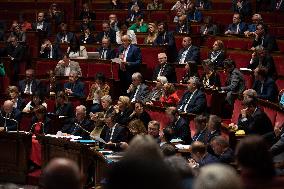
(245, 69)
(99, 139)
(116, 60)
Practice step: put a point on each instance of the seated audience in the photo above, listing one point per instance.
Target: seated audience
(123, 110)
(200, 129)
(235, 82)
(217, 55)
(243, 7)
(193, 100)
(139, 26)
(29, 85)
(114, 5)
(189, 52)
(155, 5)
(41, 24)
(135, 13)
(179, 13)
(14, 95)
(87, 23)
(193, 14)
(203, 4)
(179, 125)
(262, 58)
(123, 30)
(9, 116)
(86, 11)
(107, 32)
(152, 34)
(139, 113)
(183, 27)
(169, 95)
(37, 100)
(200, 156)
(210, 78)
(263, 39)
(264, 85)
(157, 91)
(253, 120)
(164, 69)
(180, 5)
(18, 33)
(87, 37)
(106, 103)
(75, 50)
(208, 28)
(62, 173)
(65, 66)
(62, 106)
(79, 125)
(52, 86)
(154, 130)
(40, 124)
(64, 36)
(256, 19)
(113, 22)
(238, 27)
(74, 87)
(190, 70)
(222, 149)
(106, 52)
(49, 51)
(99, 89)
(137, 90)
(54, 14)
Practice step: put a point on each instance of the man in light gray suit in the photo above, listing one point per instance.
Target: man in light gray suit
(65, 66)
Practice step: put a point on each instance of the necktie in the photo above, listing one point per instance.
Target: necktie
(161, 70)
(184, 106)
(238, 28)
(278, 4)
(103, 54)
(135, 94)
(261, 88)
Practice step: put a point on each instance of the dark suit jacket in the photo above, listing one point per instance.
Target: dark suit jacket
(46, 27)
(257, 123)
(181, 130)
(124, 117)
(89, 40)
(78, 88)
(214, 80)
(207, 4)
(111, 34)
(56, 88)
(141, 94)
(89, 25)
(56, 54)
(196, 15)
(36, 86)
(90, 14)
(269, 91)
(144, 117)
(245, 10)
(200, 136)
(71, 128)
(207, 160)
(135, 15)
(11, 125)
(267, 62)
(169, 39)
(60, 35)
(235, 82)
(193, 54)
(267, 41)
(211, 30)
(110, 54)
(120, 134)
(21, 104)
(227, 156)
(183, 29)
(242, 27)
(168, 72)
(45, 128)
(154, 95)
(134, 56)
(278, 147)
(196, 105)
(65, 110)
(17, 53)
(217, 57)
(139, 3)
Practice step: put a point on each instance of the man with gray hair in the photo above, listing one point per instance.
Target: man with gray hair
(137, 91)
(193, 100)
(256, 19)
(164, 69)
(9, 116)
(157, 91)
(74, 87)
(80, 125)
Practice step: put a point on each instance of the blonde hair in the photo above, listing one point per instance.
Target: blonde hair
(151, 37)
(124, 100)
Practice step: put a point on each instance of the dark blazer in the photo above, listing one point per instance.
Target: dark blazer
(89, 40)
(60, 35)
(181, 130)
(269, 89)
(200, 136)
(72, 128)
(139, 3)
(120, 134)
(257, 123)
(214, 80)
(235, 82)
(207, 160)
(45, 128)
(46, 27)
(267, 62)
(124, 117)
(217, 57)
(245, 10)
(36, 86)
(193, 54)
(21, 103)
(227, 156)
(207, 4)
(11, 125)
(196, 105)
(195, 16)
(111, 34)
(211, 30)
(167, 70)
(55, 88)
(169, 39)
(90, 14)
(242, 27)
(278, 147)
(154, 95)
(110, 54)
(144, 117)
(56, 53)
(78, 88)
(65, 110)
(211, 135)
(141, 94)
(133, 15)
(267, 41)
(17, 53)
(252, 28)
(89, 25)
(183, 28)
(134, 56)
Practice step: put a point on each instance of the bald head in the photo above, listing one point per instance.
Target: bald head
(8, 106)
(61, 173)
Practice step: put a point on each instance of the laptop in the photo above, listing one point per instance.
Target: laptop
(93, 55)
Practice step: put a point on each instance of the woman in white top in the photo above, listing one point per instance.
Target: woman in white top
(123, 30)
(76, 51)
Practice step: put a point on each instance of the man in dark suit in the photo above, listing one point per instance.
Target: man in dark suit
(222, 149)
(179, 125)
(166, 38)
(154, 130)
(183, 25)
(277, 5)
(265, 86)
(164, 69)
(74, 87)
(137, 91)
(86, 37)
(193, 14)
(253, 120)
(41, 24)
(263, 39)
(237, 27)
(9, 116)
(63, 107)
(107, 32)
(29, 85)
(64, 36)
(189, 52)
(243, 7)
(193, 100)
(80, 125)
(106, 52)
(49, 51)
(131, 58)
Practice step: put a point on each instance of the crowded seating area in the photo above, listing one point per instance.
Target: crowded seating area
(126, 89)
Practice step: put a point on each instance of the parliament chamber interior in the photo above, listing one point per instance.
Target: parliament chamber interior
(142, 94)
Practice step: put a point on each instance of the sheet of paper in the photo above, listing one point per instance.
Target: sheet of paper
(99, 139)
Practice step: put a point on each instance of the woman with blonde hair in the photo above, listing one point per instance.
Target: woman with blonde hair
(152, 34)
(169, 96)
(14, 96)
(123, 110)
